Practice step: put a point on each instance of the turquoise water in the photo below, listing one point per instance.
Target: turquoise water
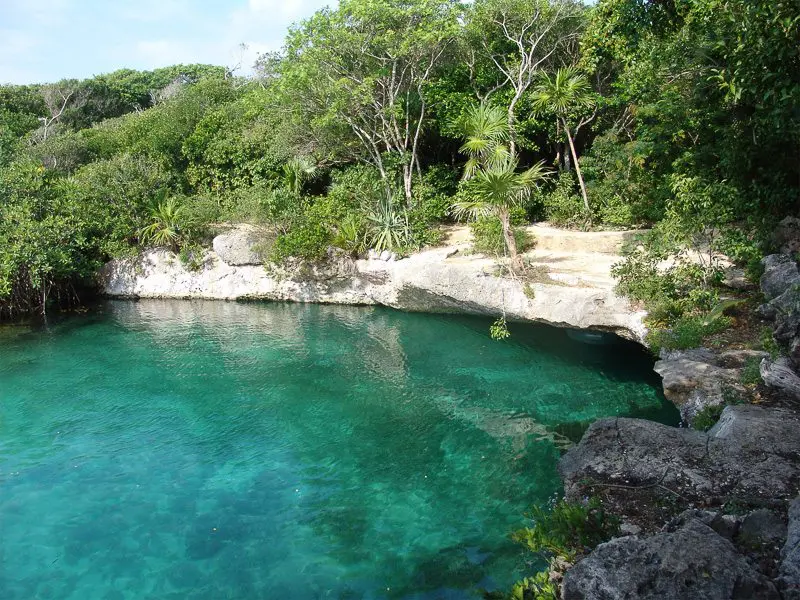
(218, 450)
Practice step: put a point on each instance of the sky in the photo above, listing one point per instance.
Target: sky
(47, 40)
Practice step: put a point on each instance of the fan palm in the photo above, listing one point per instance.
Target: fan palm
(486, 131)
(297, 171)
(566, 91)
(492, 168)
(500, 187)
(165, 228)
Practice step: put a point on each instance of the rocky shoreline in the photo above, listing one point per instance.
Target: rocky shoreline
(706, 515)
(444, 280)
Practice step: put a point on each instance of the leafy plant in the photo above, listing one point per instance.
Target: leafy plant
(706, 418)
(387, 227)
(487, 236)
(350, 236)
(687, 332)
(165, 227)
(568, 529)
(491, 168)
(499, 329)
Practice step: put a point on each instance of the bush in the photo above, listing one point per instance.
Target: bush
(562, 206)
(311, 231)
(560, 535)
(487, 234)
(708, 417)
(687, 332)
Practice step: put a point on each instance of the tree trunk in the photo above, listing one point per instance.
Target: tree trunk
(511, 243)
(578, 171)
(408, 176)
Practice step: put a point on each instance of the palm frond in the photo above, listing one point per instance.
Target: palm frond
(472, 209)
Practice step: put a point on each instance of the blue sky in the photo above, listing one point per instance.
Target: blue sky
(47, 40)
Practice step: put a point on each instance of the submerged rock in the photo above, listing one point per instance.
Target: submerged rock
(692, 562)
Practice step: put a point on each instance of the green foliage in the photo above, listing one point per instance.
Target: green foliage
(387, 227)
(560, 535)
(166, 224)
(351, 236)
(568, 529)
(768, 343)
(706, 418)
(311, 232)
(562, 206)
(191, 256)
(688, 331)
(751, 372)
(498, 330)
(487, 234)
(622, 190)
(45, 246)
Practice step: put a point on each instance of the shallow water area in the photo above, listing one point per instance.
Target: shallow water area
(182, 449)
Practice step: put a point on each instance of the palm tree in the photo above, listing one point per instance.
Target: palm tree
(297, 171)
(500, 188)
(493, 169)
(568, 90)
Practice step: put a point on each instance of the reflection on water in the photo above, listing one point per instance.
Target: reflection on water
(167, 449)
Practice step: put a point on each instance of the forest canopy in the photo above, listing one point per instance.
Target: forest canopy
(379, 119)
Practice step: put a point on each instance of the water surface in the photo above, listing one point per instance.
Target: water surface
(167, 449)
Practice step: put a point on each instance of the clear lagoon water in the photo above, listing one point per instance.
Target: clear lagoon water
(187, 450)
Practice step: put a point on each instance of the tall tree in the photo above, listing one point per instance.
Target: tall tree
(563, 94)
(492, 167)
(521, 37)
(366, 65)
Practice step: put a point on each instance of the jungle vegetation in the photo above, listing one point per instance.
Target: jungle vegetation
(382, 119)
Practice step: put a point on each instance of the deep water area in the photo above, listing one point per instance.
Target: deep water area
(187, 449)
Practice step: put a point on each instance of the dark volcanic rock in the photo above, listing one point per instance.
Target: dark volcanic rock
(790, 567)
(691, 563)
(752, 453)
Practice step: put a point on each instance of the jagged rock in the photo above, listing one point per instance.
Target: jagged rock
(787, 235)
(424, 282)
(725, 525)
(762, 526)
(690, 563)
(780, 274)
(752, 453)
(789, 579)
(238, 246)
(698, 378)
(736, 279)
(781, 375)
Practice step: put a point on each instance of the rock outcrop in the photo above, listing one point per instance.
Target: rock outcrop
(239, 245)
(752, 454)
(700, 378)
(693, 561)
(789, 579)
(780, 284)
(439, 280)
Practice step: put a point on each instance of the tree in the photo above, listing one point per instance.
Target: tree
(562, 94)
(521, 37)
(366, 65)
(492, 170)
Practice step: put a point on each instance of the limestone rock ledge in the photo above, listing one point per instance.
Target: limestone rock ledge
(438, 280)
